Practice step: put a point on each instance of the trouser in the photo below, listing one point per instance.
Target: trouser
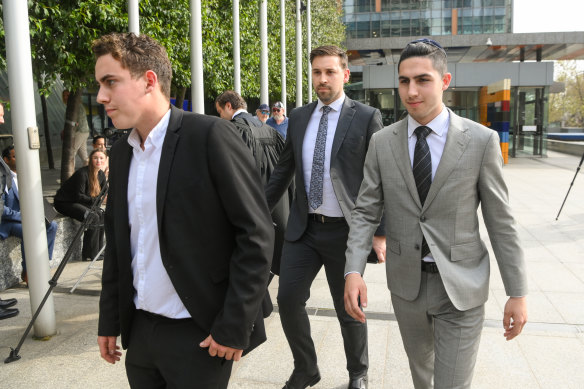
(80, 146)
(441, 341)
(321, 244)
(93, 237)
(164, 353)
(16, 230)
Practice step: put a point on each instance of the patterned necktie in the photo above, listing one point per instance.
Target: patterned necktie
(316, 177)
(423, 171)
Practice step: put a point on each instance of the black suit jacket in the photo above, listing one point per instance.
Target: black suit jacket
(357, 123)
(214, 227)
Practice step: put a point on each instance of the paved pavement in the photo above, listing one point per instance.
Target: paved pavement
(549, 353)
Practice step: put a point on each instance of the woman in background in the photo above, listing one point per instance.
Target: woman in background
(77, 194)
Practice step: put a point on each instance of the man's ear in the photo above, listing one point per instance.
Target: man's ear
(151, 80)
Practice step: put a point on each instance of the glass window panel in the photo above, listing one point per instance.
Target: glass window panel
(467, 21)
(364, 5)
(436, 13)
(405, 31)
(415, 14)
(375, 29)
(436, 4)
(385, 28)
(447, 30)
(499, 28)
(375, 16)
(436, 22)
(477, 12)
(499, 11)
(466, 12)
(478, 29)
(395, 30)
(394, 15)
(466, 3)
(436, 31)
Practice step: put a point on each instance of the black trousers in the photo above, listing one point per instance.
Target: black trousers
(321, 244)
(164, 353)
(93, 237)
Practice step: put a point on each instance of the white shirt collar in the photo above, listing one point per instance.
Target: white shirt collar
(335, 105)
(438, 125)
(240, 110)
(155, 137)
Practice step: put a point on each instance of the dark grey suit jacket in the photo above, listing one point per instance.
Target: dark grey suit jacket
(357, 123)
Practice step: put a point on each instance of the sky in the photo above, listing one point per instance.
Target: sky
(548, 16)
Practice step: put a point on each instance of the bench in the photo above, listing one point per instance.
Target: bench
(11, 256)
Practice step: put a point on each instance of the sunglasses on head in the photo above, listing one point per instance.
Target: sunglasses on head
(430, 42)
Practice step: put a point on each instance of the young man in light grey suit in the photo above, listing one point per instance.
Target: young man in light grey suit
(431, 171)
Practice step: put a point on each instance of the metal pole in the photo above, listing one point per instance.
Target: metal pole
(25, 133)
(133, 17)
(264, 91)
(283, 52)
(298, 55)
(308, 50)
(197, 91)
(236, 55)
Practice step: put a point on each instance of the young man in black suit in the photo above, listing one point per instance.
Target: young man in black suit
(188, 229)
(325, 150)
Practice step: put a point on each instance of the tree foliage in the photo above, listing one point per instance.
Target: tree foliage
(568, 107)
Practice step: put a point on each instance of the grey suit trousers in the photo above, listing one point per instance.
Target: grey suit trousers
(440, 340)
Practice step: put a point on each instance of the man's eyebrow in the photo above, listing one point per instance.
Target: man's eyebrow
(104, 78)
(416, 76)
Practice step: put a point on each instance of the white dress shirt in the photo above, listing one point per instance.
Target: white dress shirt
(436, 141)
(330, 205)
(154, 290)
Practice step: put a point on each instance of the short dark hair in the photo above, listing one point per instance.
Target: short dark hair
(6, 151)
(230, 96)
(97, 137)
(334, 51)
(426, 48)
(138, 54)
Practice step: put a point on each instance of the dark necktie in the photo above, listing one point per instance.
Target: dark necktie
(423, 171)
(317, 175)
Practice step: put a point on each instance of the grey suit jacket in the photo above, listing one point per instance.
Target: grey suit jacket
(469, 174)
(357, 123)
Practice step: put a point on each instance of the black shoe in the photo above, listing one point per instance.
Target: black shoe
(358, 383)
(6, 313)
(7, 303)
(301, 381)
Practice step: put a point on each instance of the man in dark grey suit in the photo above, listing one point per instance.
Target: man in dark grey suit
(325, 150)
(432, 171)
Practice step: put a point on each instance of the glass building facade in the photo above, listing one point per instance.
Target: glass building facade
(402, 18)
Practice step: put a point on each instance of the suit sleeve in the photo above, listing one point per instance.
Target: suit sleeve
(500, 223)
(282, 175)
(9, 214)
(376, 125)
(233, 171)
(365, 216)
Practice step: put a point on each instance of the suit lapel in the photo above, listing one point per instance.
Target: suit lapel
(399, 146)
(345, 118)
(166, 157)
(456, 142)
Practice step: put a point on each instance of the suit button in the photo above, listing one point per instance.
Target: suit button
(417, 246)
(422, 218)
